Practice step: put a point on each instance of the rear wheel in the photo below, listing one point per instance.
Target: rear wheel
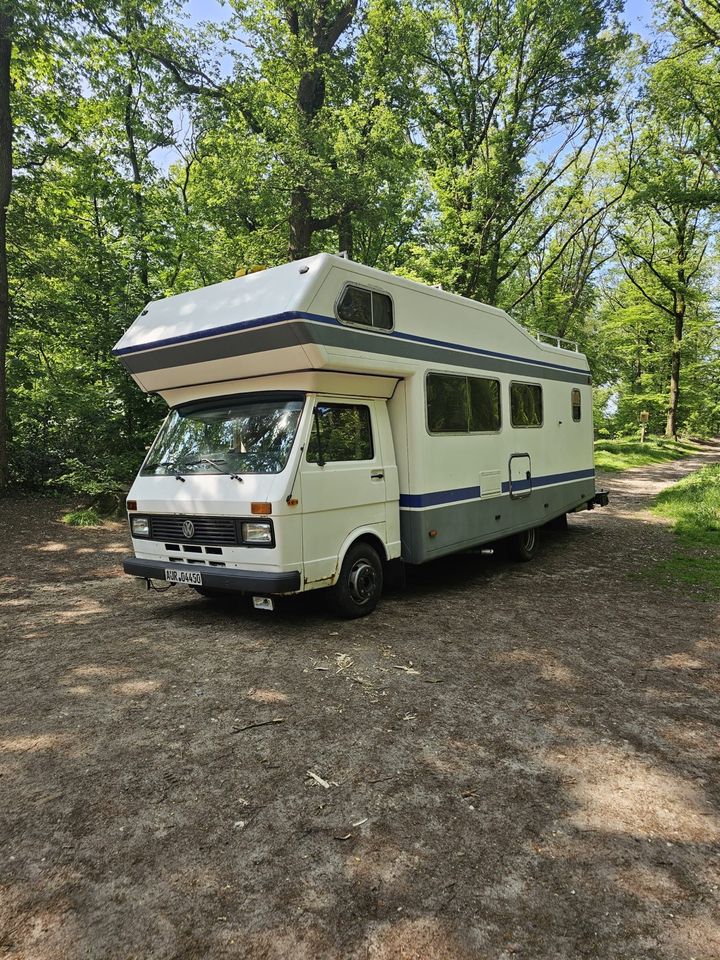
(360, 583)
(523, 545)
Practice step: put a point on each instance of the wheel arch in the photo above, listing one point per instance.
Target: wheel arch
(367, 535)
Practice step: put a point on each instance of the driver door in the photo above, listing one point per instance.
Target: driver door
(342, 481)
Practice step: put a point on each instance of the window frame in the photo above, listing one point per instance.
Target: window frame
(462, 433)
(573, 391)
(332, 403)
(371, 291)
(526, 383)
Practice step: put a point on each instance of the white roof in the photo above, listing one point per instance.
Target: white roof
(268, 292)
(284, 319)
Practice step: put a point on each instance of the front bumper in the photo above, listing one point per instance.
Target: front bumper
(219, 578)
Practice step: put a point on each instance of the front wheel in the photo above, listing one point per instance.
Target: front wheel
(360, 583)
(523, 545)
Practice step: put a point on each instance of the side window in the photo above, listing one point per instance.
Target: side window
(484, 404)
(368, 308)
(576, 405)
(526, 405)
(340, 432)
(446, 403)
(457, 404)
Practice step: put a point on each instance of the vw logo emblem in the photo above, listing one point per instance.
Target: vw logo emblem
(188, 529)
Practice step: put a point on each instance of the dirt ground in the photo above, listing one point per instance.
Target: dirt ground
(522, 760)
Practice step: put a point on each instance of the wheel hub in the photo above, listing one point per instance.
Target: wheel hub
(362, 581)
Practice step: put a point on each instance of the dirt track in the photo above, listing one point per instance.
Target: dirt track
(522, 759)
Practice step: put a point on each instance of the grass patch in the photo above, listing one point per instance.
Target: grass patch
(693, 505)
(614, 455)
(88, 517)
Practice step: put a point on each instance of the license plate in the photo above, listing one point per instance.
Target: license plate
(183, 576)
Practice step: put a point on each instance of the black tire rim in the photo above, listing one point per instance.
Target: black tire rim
(362, 581)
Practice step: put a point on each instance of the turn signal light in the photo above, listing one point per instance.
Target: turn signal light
(132, 504)
(261, 509)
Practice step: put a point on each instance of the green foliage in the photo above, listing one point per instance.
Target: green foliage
(527, 154)
(614, 455)
(87, 517)
(507, 150)
(693, 505)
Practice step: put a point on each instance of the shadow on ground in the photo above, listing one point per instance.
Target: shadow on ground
(521, 759)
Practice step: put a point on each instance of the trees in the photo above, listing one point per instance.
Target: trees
(89, 242)
(23, 28)
(483, 145)
(663, 234)
(692, 68)
(517, 97)
(315, 119)
(6, 138)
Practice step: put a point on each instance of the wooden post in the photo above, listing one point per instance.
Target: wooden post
(644, 417)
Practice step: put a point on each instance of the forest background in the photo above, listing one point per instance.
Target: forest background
(539, 155)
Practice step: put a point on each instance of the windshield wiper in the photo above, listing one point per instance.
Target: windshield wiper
(166, 463)
(213, 463)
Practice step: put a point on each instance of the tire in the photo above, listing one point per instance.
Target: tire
(359, 586)
(523, 545)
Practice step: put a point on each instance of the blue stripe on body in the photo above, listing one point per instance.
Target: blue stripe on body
(439, 497)
(416, 500)
(214, 332)
(319, 318)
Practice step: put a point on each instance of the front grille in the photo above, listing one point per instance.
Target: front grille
(216, 530)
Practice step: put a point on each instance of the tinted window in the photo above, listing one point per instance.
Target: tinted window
(576, 405)
(462, 404)
(447, 408)
(365, 307)
(340, 432)
(484, 403)
(382, 315)
(355, 306)
(526, 406)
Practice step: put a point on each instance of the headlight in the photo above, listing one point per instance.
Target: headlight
(140, 526)
(255, 532)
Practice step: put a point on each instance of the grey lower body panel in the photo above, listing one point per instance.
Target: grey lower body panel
(460, 526)
(220, 578)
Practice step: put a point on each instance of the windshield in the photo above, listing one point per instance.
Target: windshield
(243, 436)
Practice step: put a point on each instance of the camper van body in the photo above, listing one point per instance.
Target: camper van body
(462, 428)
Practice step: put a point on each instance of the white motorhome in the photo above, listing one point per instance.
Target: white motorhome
(329, 421)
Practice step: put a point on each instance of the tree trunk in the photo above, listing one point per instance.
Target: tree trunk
(674, 399)
(6, 141)
(345, 234)
(137, 184)
(301, 229)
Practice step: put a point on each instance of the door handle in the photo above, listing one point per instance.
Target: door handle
(377, 476)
